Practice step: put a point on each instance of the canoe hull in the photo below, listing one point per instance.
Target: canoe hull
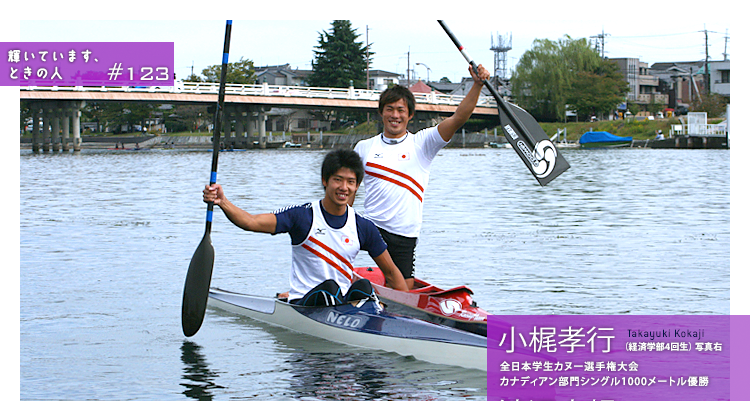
(365, 327)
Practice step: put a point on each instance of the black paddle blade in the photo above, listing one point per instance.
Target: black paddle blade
(197, 283)
(540, 156)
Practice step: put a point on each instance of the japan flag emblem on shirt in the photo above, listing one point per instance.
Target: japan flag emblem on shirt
(403, 156)
(345, 240)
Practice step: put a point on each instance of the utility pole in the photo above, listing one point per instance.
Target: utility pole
(408, 65)
(706, 74)
(599, 37)
(367, 39)
(726, 39)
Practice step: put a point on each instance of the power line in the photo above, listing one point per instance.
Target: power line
(655, 36)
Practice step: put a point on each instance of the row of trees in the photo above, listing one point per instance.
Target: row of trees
(239, 72)
(569, 73)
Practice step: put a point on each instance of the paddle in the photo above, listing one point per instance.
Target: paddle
(198, 280)
(521, 130)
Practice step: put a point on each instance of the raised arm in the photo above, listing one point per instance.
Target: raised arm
(393, 276)
(450, 125)
(261, 223)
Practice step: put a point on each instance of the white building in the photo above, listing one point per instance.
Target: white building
(381, 80)
(719, 71)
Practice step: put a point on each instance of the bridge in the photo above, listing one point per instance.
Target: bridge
(246, 105)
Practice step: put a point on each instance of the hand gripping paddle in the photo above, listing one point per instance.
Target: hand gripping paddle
(523, 132)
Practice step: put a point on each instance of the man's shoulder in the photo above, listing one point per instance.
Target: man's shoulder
(302, 207)
(363, 146)
(365, 141)
(428, 132)
(294, 219)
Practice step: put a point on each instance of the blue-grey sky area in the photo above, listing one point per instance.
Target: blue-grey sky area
(398, 43)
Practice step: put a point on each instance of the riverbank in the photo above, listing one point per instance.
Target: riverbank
(643, 133)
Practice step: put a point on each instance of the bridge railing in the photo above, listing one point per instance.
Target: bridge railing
(268, 90)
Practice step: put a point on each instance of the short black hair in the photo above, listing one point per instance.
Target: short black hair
(394, 94)
(339, 158)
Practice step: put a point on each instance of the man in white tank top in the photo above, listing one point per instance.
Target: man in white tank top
(326, 236)
(397, 167)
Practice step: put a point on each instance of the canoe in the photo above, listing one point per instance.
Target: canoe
(365, 324)
(453, 308)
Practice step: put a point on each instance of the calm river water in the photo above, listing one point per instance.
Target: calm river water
(106, 238)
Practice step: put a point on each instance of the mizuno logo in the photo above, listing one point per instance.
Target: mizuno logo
(320, 231)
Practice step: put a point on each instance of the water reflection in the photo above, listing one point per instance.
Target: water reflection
(378, 376)
(198, 377)
(343, 376)
(319, 369)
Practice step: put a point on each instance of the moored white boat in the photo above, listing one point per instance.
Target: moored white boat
(363, 325)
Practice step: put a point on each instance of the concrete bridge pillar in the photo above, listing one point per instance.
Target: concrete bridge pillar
(55, 127)
(46, 127)
(262, 117)
(249, 123)
(239, 127)
(65, 128)
(76, 115)
(226, 126)
(35, 128)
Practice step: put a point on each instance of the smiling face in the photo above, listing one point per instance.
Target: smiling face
(395, 118)
(339, 187)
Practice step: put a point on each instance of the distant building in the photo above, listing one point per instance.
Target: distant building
(719, 72)
(420, 87)
(682, 81)
(381, 80)
(281, 75)
(462, 88)
(643, 87)
(672, 84)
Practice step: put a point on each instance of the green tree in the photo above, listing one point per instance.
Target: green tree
(599, 91)
(339, 58)
(568, 71)
(115, 115)
(240, 72)
(194, 78)
(714, 105)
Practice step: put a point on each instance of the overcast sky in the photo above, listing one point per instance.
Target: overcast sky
(395, 43)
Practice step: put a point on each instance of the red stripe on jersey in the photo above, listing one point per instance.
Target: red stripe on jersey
(398, 173)
(334, 253)
(329, 261)
(399, 183)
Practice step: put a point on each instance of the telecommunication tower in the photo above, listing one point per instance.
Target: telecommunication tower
(501, 48)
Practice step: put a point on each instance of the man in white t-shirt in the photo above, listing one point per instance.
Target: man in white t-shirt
(397, 168)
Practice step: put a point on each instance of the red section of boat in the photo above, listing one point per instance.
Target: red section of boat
(454, 307)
